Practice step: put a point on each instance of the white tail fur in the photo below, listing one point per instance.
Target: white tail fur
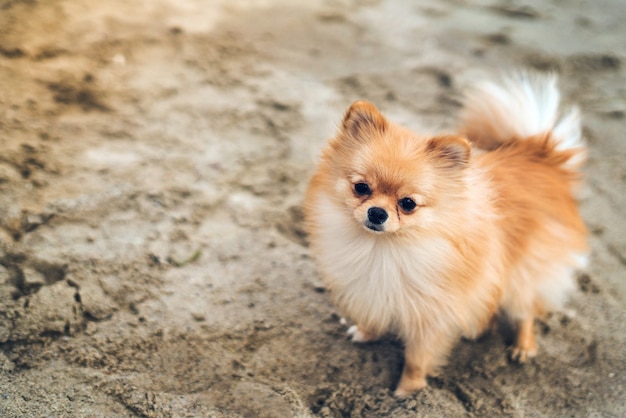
(523, 105)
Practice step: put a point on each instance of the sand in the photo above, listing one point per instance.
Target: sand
(153, 160)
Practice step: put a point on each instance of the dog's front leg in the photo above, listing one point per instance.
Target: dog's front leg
(422, 357)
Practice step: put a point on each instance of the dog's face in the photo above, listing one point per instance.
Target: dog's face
(391, 179)
(381, 204)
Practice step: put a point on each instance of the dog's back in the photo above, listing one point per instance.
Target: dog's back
(533, 156)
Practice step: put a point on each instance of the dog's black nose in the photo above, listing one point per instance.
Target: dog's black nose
(377, 215)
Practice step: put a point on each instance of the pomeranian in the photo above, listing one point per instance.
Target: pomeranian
(429, 237)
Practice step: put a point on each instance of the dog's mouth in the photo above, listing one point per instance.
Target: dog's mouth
(373, 227)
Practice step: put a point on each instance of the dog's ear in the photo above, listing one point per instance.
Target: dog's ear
(449, 151)
(362, 121)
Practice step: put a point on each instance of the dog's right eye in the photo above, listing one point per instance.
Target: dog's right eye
(362, 189)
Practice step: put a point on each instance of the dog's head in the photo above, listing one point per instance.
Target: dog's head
(390, 178)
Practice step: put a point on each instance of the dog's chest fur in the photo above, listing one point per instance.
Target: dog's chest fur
(378, 280)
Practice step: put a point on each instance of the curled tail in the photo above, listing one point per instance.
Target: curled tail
(522, 106)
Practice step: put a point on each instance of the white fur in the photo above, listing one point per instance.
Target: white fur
(377, 280)
(524, 105)
(357, 335)
(524, 289)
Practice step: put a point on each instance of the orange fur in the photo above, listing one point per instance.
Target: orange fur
(490, 231)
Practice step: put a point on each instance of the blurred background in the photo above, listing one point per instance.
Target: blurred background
(153, 158)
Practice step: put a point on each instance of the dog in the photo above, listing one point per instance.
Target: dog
(430, 237)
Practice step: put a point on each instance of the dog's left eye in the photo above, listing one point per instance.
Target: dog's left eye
(407, 204)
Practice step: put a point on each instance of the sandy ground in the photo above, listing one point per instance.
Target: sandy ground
(153, 158)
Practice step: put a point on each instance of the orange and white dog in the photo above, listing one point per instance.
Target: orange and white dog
(429, 237)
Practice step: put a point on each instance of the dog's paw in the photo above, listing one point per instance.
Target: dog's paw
(408, 387)
(359, 336)
(523, 354)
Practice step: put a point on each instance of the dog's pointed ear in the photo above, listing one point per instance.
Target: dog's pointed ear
(362, 120)
(449, 151)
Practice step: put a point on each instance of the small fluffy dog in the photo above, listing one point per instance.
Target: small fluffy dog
(430, 237)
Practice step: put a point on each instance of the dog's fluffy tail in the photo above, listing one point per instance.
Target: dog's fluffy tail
(522, 106)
